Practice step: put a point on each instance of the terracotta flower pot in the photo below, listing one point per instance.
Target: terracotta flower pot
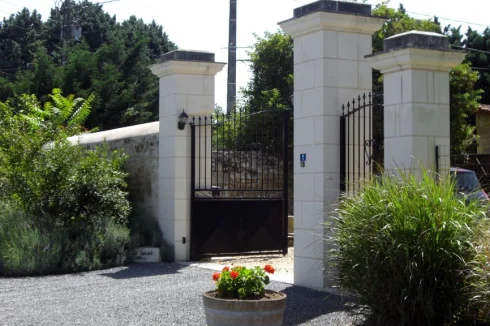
(267, 311)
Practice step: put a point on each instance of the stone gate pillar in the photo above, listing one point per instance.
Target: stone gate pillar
(331, 39)
(416, 69)
(186, 83)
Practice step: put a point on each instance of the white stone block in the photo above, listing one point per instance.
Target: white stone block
(327, 130)
(304, 187)
(365, 46)
(174, 167)
(304, 75)
(313, 216)
(297, 51)
(398, 153)
(304, 131)
(336, 73)
(208, 85)
(365, 76)
(394, 89)
(331, 154)
(175, 188)
(200, 105)
(189, 84)
(330, 44)
(441, 88)
(312, 46)
(298, 214)
(298, 101)
(419, 87)
(348, 46)
(308, 272)
(167, 226)
(175, 146)
(182, 251)
(390, 121)
(311, 103)
(430, 120)
(430, 87)
(172, 105)
(309, 243)
(182, 229)
(167, 85)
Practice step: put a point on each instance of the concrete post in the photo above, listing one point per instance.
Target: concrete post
(186, 83)
(416, 69)
(331, 39)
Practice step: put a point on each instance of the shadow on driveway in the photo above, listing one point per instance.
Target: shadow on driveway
(144, 270)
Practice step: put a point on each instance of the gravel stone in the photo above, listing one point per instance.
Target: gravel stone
(143, 294)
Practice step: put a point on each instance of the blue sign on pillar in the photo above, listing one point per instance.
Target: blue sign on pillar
(302, 159)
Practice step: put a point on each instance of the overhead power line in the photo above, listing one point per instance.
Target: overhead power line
(470, 49)
(450, 19)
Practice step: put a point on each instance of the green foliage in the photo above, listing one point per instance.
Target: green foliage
(271, 85)
(398, 22)
(407, 248)
(24, 248)
(71, 200)
(110, 60)
(241, 282)
(465, 100)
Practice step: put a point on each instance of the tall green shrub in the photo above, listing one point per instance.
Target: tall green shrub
(405, 248)
(24, 248)
(70, 199)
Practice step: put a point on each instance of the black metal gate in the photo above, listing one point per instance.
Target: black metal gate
(361, 141)
(239, 188)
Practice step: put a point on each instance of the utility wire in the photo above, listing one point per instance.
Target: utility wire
(449, 19)
(470, 49)
(11, 3)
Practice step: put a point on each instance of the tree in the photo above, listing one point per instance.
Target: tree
(465, 100)
(110, 60)
(271, 62)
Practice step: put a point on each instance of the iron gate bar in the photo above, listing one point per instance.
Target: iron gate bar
(350, 180)
(241, 135)
(285, 171)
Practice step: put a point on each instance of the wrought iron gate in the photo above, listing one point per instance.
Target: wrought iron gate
(361, 141)
(239, 188)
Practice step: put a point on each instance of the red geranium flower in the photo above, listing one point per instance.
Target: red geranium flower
(216, 276)
(269, 269)
(226, 269)
(234, 274)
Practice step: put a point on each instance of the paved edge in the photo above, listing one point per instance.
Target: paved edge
(288, 279)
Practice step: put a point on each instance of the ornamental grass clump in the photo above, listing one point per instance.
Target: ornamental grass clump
(242, 282)
(408, 249)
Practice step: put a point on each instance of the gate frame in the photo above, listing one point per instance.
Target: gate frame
(285, 113)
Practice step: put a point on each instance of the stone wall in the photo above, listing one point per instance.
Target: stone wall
(482, 123)
(140, 143)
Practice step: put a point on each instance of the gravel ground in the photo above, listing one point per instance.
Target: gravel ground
(147, 294)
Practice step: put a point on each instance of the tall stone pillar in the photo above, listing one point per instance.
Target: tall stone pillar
(187, 81)
(331, 39)
(416, 69)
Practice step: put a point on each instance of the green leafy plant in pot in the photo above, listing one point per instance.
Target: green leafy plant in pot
(240, 298)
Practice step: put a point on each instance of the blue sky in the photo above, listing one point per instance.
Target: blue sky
(203, 25)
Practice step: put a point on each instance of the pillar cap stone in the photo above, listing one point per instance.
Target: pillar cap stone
(416, 59)
(338, 16)
(187, 55)
(416, 39)
(346, 7)
(187, 62)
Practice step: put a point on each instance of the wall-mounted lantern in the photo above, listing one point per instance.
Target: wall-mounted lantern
(183, 117)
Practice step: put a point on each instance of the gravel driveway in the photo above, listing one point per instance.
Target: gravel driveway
(151, 294)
